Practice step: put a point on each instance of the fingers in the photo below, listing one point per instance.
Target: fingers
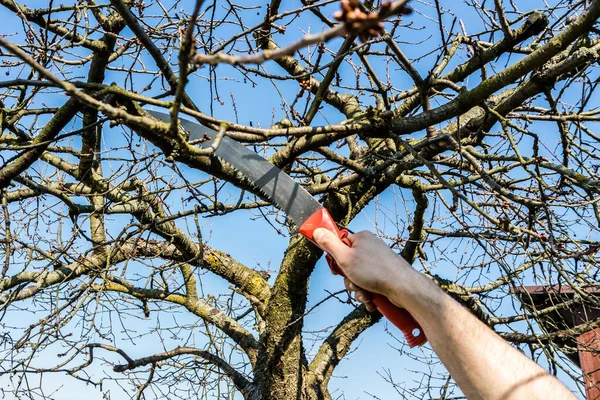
(370, 307)
(350, 286)
(360, 295)
(330, 242)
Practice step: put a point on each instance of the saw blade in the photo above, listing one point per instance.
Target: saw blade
(287, 194)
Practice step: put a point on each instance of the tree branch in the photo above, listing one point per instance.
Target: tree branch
(239, 380)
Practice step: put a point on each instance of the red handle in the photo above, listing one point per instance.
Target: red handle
(414, 334)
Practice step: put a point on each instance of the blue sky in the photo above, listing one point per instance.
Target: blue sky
(252, 241)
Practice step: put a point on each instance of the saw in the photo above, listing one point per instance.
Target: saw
(299, 205)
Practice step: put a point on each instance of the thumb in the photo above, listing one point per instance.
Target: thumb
(330, 242)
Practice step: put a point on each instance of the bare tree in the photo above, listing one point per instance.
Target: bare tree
(471, 126)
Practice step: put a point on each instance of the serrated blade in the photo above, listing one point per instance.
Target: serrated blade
(287, 194)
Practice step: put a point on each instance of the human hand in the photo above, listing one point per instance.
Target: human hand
(369, 265)
(360, 295)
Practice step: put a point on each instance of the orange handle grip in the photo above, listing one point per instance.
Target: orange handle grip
(414, 334)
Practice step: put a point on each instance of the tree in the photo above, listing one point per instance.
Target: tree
(470, 126)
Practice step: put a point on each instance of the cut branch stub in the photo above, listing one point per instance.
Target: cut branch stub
(368, 25)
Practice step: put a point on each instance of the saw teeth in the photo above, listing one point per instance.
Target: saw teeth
(289, 221)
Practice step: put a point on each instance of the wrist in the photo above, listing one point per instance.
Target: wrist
(410, 289)
(401, 279)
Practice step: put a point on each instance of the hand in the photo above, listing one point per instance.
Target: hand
(369, 264)
(360, 295)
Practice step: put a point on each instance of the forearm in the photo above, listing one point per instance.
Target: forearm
(482, 364)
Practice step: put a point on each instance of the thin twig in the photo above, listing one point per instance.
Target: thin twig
(224, 58)
(185, 53)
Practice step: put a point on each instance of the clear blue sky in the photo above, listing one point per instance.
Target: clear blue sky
(252, 241)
